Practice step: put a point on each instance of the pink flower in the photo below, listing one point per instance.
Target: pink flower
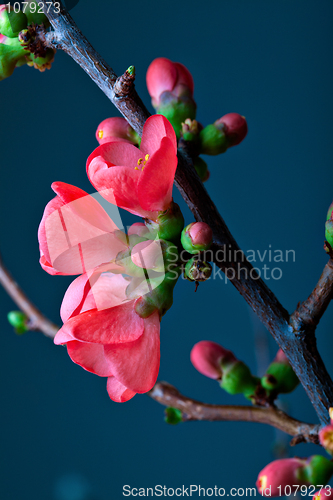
(76, 234)
(138, 180)
(105, 335)
(282, 473)
(164, 75)
(115, 129)
(206, 357)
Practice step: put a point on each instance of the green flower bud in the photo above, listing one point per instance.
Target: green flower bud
(280, 377)
(160, 298)
(329, 229)
(197, 270)
(173, 416)
(11, 23)
(169, 224)
(213, 140)
(190, 130)
(19, 321)
(237, 379)
(33, 16)
(177, 109)
(197, 237)
(202, 169)
(318, 470)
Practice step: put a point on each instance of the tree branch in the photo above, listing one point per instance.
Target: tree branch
(299, 347)
(309, 312)
(191, 409)
(37, 321)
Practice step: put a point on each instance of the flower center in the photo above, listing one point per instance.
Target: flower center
(142, 162)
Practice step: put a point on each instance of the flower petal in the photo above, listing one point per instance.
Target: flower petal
(84, 205)
(156, 181)
(109, 326)
(161, 76)
(155, 128)
(117, 391)
(93, 290)
(90, 356)
(136, 364)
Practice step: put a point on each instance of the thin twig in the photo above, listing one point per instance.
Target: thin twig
(37, 321)
(191, 409)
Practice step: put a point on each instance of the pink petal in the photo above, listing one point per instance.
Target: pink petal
(52, 206)
(117, 153)
(156, 181)
(118, 392)
(90, 356)
(84, 205)
(136, 364)
(93, 290)
(155, 128)
(184, 77)
(161, 76)
(109, 326)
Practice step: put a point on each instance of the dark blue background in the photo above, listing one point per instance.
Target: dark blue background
(272, 62)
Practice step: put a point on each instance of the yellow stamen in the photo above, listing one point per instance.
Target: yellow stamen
(136, 168)
(140, 160)
(100, 134)
(147, 157)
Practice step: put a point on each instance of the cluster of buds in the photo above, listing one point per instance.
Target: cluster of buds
(19, 43)
(171, 87)
(287, 475)
(234, 376)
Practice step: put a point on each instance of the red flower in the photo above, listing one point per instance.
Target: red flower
(76, 234)
(138, 180)
(164, 75)
(105, 335)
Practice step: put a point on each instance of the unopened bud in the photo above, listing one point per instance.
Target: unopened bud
(329, 229)
(280, 377)
(158, 255)
(170, 86)
(207, 356)
(197, 270)
(19, 321)
(197, 237)
(235, 128)
(281, 474)
(160, 298)
(173, 416)
(116, 128)
(226, 132)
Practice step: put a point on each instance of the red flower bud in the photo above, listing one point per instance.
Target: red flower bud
(164, 75)
(148, 255)
(276, 476)
(235, 128)
(138, 228)
(197, 237)
(206, 357)
(115, 128)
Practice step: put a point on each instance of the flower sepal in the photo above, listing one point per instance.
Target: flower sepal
(160, 298)
(279, 376)
(168, 225)
(11, 23)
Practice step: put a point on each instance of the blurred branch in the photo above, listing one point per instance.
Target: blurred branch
(37, 321)
(191, 409)
(301, 348)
